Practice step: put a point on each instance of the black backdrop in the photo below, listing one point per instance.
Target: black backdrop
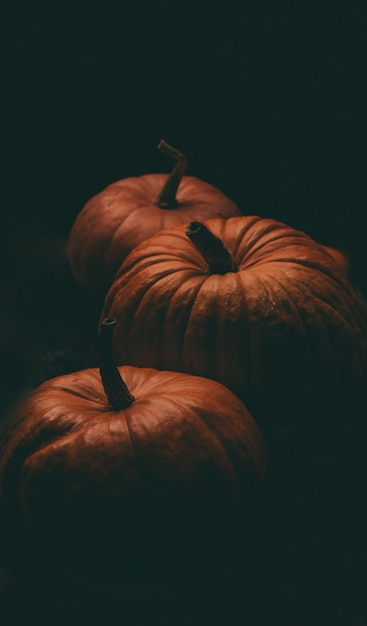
(267, 100)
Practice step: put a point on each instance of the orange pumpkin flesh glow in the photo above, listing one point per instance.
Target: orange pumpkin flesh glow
(144, 480)
(129, 211)
(249, 302)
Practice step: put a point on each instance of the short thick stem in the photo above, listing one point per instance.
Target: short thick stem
(167, 196)
(117, 393)
(213, 250)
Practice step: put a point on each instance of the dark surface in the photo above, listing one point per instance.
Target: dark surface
(269, 105)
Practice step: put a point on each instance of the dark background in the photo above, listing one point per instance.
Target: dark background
(268, 102)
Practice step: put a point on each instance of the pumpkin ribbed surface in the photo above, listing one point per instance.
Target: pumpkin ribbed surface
(286, 321)
(125, 213)
(157, 489)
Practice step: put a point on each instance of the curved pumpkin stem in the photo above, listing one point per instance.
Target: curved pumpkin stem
(115, 389)
(217, 256)
(167, 196)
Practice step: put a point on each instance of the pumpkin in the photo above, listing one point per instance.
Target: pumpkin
(130, 474)
(341, 259)
(249, 302)
(129, 211)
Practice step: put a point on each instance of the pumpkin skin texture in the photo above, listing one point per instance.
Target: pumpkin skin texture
(340, 258)
(129, 211)
(282, 322)
(154, 491)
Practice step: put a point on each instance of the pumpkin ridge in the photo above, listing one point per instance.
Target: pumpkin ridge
(171, 278)
(213, 436)
(297, 310)
(244, 232)
(228, 292)
(243, 293)
(296, 238)
(183, 287)
(234, 246)
(243, 224)
(142, 207)
(166, 257)
(113, 297)
(22, 451)
(205, 431)
(78, 394)
(326, 327)
(52, 428)
(189, 316)
(267, 247)
(155, 253)
(126, 413)
(53, 440)
(270, 226)
(76, 429)
(250, 382)
(259, 232)
(339, 313)
(116, 234)
(315, 266)
(328, 274)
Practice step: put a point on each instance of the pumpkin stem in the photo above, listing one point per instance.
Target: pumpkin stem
(115, 389)
(217, 256)
(167, 196)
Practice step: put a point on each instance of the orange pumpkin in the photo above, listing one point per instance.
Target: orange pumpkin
(249, 302)
(341, 259)
(129, 474)
(129, 211)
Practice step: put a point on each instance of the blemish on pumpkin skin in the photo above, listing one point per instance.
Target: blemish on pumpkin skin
(266, 306)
